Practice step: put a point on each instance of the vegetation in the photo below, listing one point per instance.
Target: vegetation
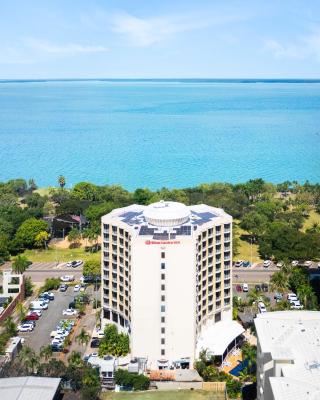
(161, 395)
(131, 381)
(113, 342)
(20, 264)
(50, 284)
(92, 268)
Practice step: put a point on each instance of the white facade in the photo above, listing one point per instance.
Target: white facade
(288, 355)
(166, 272)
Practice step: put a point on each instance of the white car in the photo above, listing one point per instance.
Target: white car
(69, 311)
(239, 263)
(261, 307)
(279, 264)
(296, 305)
(245, 287)
(56, 342)
(292, 297)
(74, 264)
(67, 278)
(308, 263)
(25, 328)
(295, 263)
(266, 263)
(76, 288)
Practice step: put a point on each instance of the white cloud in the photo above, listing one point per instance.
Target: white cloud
(69, 49)
(307, 46)
(144, 32)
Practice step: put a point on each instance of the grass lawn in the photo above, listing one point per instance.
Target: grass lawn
(314, 217)
(43, 191)
(245, 252)
(61, 255)
(161, 395)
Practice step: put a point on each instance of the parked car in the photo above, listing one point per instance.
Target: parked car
(67, 278)
(261, 307)
(238, 288)
(308, 263)
(32, 317)
(245, 287)
(75, 263)
(266, 263)
(296, 305)
(37, 312)
(83, 287)
(76, 288)
(95, 343)
(292, 297)
(25, 328)
(278, 296)
(69, 311)
(246, 264)
(265, 287)
(56, 347)
(31, 323)
(239, 263)
(63, 287)
(295, 263)
(258, 288)
(279, 264)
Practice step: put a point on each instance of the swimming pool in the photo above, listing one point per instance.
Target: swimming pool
(240, 367)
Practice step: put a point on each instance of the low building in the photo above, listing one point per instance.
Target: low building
(107, 367)
(12, 283)
(288, 355)
(13, 347)
(29, 387)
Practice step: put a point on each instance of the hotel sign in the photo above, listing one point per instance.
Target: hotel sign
(162, 242)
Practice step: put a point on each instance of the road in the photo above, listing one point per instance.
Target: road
(49, 320)
(251, 275)
(40, 271)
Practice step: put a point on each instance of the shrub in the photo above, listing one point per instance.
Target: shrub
(134, 381)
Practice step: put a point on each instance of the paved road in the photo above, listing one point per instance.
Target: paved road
(252, 275)
(40, 271)
(49, 320)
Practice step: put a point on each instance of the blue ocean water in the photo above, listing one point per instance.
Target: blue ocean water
(159, 133)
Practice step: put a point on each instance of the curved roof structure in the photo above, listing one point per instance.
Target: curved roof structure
(167, 213)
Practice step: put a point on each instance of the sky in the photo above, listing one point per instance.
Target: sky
(42, 39)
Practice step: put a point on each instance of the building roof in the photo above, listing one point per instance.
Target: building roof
(292, 336)
(166, 220)
(106, 364)
(28, 388)
(217, 337)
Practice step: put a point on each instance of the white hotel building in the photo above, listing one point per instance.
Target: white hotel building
(166, 271)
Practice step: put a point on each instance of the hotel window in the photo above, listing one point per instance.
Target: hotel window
(163, 298)
(163, 341)
(163, 254)
(163, 287)
(163, 265)
(163, 320)
(163, 308)
(163, 276)
(163, 330)
(163, 352)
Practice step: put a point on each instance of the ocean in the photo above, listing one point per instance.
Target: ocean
(156, 133)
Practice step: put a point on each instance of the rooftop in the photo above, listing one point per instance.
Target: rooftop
(28, 388)
(293, 336)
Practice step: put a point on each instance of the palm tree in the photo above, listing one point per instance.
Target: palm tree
(83, 338)
(46, 352)
(29, 359)
(9, 326)
(20, 264)
(249, 353)
(32, 184)
(21, 310)
(75, 359)
(307, 296)
(254, 296)
(279, 282)
(62, 181)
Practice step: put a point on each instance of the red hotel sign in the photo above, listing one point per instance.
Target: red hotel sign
(162, 242)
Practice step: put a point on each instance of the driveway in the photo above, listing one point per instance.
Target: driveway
(41, 270)
(49, 320)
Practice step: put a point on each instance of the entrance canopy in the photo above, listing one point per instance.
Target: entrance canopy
(217, 337)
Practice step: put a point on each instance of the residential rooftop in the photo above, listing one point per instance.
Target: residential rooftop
(28, 388)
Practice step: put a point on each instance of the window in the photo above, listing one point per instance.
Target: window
(163, 308)
(163, 265)
(163, 254)
(163, 330)
(163, 341)
(163, 298)
(163, 352)
(163, 287)
(163, 320)
(163, 276)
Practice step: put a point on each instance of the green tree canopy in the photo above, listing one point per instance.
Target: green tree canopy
(28, 231)
(113, 342)
(92, 268)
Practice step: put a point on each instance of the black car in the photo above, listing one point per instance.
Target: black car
(265, 287)
(63, 287)
(95, 343)
(258, 288)
(55, 347)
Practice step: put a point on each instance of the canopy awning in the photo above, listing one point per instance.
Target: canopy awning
(217, 337)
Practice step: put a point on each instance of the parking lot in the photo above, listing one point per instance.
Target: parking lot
(48, 321)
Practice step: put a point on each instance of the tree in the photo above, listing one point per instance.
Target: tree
(62, 181)
(91, 386)
(28, 286)
(92, 268)
(83, 338)
(9, 326)
(46, 352)
(297, 278)
(95, 211)
(134, 381)
(20, 264)
(41, 239)
(29, 359)
(28, 231)
(254, 223)
(86, 191)
(50, 284)
(32, 184)
(249, 353)
(75, 359)
(74, 237)
(279, 282)
(21, 310)
(114, 343)
(307, 296)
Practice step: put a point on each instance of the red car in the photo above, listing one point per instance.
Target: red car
(32, 317)
(238, 288)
